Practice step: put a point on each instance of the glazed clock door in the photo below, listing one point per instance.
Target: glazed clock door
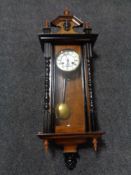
(69, 97)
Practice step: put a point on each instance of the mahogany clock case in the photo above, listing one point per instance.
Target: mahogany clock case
(69, 113)
(21, 75)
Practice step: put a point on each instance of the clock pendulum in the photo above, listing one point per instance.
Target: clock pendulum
(62, 110)
(69, 113)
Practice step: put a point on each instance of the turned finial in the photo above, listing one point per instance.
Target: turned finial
(66, 12)
(87, 25)
(46, 24)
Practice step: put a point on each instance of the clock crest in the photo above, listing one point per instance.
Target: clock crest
(69, 115)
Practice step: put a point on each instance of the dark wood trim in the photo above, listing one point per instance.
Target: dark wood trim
(53, 90)
(67, 38)
(55, 136)
(84, 88)
(90, 86)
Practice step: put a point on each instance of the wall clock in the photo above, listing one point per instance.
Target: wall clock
(69, 116)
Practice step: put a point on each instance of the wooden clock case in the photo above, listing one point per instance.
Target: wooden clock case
(83, 120)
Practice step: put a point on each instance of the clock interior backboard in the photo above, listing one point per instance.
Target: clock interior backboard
(73, 95)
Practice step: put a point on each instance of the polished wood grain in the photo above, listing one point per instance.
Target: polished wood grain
(70, 141)
(70, 148)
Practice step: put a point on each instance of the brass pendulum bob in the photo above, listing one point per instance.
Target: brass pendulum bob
(62, 109)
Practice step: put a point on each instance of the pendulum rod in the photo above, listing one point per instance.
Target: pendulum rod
(64, 90)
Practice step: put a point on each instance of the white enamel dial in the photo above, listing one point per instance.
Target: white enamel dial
(68, 60)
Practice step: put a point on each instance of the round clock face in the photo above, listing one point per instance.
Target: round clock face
(68, 60)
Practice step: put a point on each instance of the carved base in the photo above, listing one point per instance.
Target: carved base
(70, 160)
(70, 142)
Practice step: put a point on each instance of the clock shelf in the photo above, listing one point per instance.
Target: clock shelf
(55, 136)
